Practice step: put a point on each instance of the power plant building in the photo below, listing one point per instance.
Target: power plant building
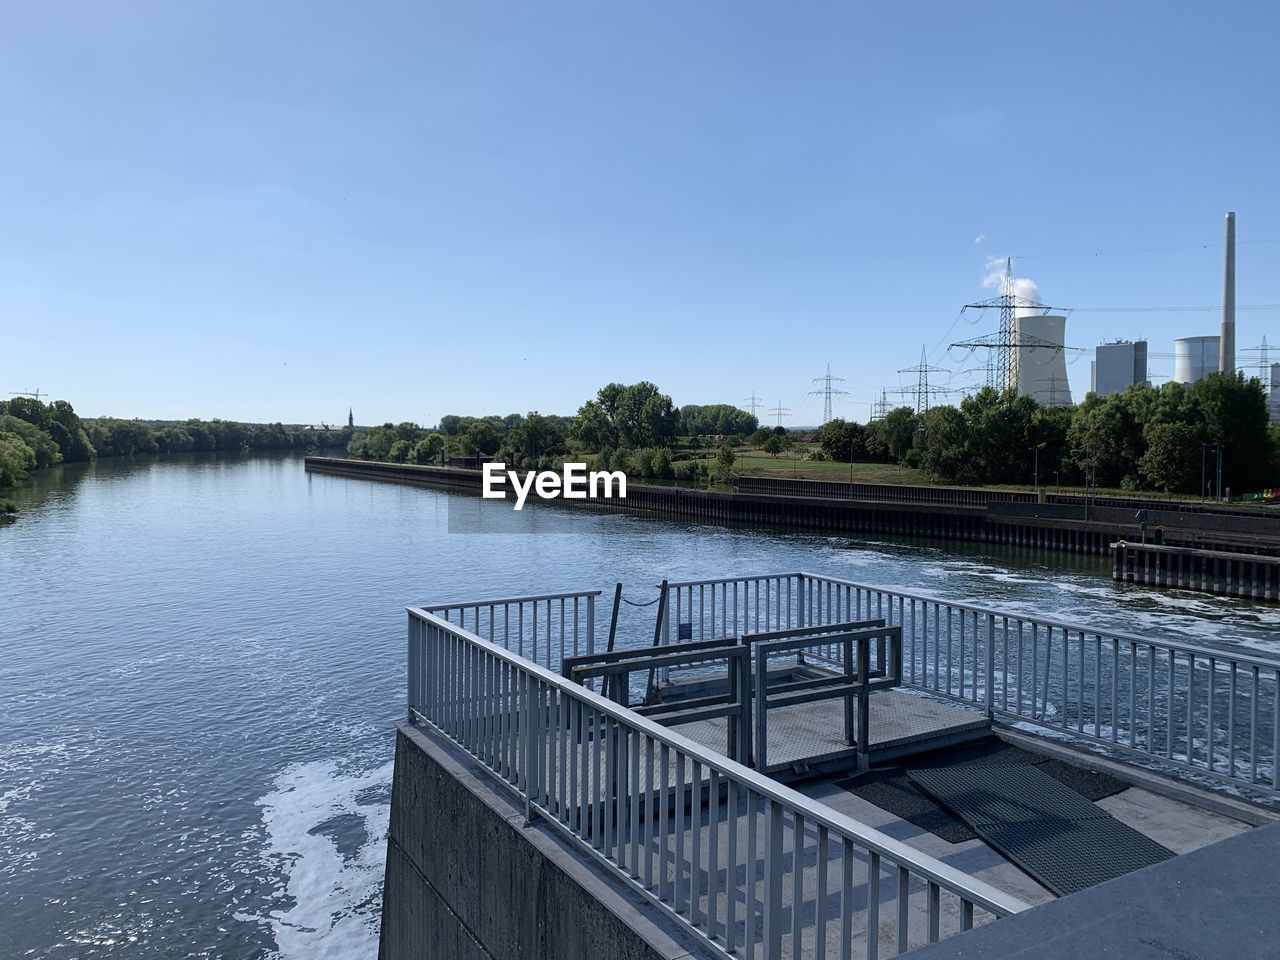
(1041, 366)
(1194, 358)
(1118, 366)
(1273, 394)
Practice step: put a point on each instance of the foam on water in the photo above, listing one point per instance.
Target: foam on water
(330, 890)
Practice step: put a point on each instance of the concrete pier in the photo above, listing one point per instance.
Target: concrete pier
(468, 879)
(539, 811)
(1245, 575)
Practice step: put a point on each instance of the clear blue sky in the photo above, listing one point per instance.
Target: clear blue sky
(278, 210)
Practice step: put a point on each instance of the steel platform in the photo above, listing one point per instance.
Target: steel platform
(806, 739)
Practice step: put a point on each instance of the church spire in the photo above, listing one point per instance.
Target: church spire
(351, 419)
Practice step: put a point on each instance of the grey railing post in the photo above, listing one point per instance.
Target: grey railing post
(864, 703)
(762, 708)
(800, 618)
(773, 880)
(591, 623)
(991, 665)
(413, 693)
(530, 747)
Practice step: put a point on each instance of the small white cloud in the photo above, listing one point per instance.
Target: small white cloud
(979, 238)
(994, 275)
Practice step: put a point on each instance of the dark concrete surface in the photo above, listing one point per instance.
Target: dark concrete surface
(466, 878)
(1221, 902)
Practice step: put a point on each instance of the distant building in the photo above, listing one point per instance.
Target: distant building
(1041, 364)
(1194, 358)
(1273, 394)
(351, 418)
(1118, 366)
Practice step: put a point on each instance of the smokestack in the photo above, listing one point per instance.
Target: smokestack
(1227, 335)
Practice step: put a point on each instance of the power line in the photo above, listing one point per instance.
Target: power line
(754, 402)
(922, 391)
(1112, 253)
(1003, 360)
(780, 411)
(880, 408)
(1213, 308)
(996, 345)
(1054, 380)
(828, 391)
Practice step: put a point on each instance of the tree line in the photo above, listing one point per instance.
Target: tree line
(34, 435)
(631, 427)
(1145, 438)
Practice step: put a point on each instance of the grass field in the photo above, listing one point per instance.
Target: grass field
(757, 463)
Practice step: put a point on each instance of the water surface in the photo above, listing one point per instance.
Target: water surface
(201, 664)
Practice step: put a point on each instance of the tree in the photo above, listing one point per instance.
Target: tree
(25, 408)
(774, 445)
(631, 416)
(660, 464)
(890, 438)
(16, 459)
(1234, 413)
(408, 431)
(40, 443)
(449, 424)
(428, 449)
(1172, 459)
(400, 451)
(536, 439)
(944, 445)
(725, 458)
(719, 419)
(70, 434)
(373, 444)
(592, 428)
(843, 440)
(1000, 442)
(478, 436)
(1105, 437)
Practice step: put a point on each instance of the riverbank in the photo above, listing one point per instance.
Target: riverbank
(1070, 524)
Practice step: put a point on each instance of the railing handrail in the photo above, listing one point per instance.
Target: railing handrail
(507, 601)
(1215, 653)
(673, 584)
(970, 888)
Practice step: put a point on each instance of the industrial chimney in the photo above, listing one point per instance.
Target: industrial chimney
(1227, 335)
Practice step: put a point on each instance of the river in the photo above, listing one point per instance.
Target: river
(201, 665)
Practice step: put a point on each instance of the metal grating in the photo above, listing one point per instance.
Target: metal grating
(1053, 833)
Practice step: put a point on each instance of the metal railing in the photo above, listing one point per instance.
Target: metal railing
(1211, 711)
(544, 628)
(754, 868)
(882, 492)
(846, 645)
(958, 496)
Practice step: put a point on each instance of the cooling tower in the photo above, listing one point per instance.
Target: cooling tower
(1194, 358)
(1041, 361)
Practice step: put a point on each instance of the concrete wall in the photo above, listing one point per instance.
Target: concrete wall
(468, 880)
